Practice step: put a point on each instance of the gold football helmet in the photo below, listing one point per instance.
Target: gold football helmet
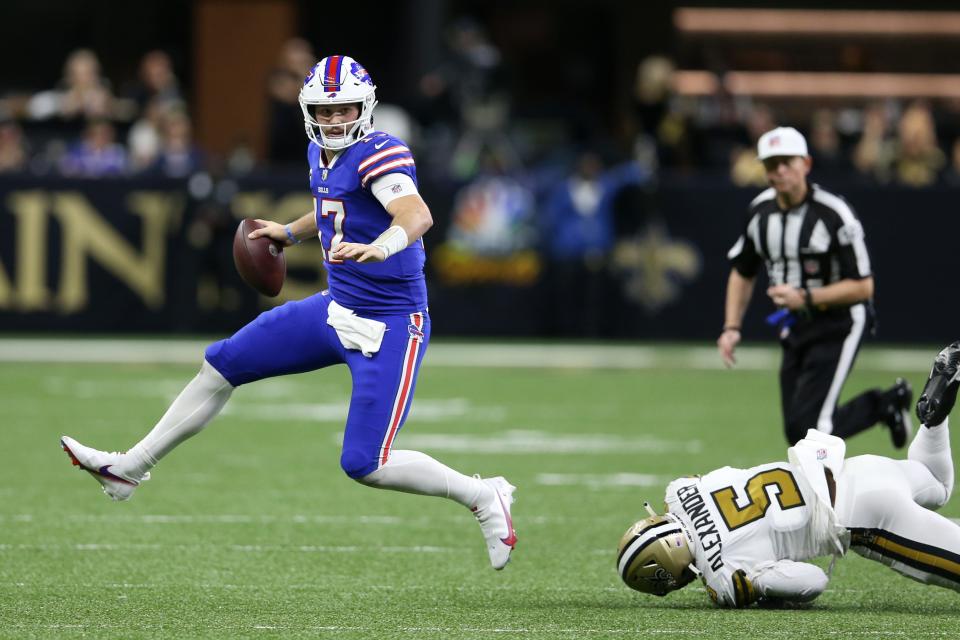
(654, 555)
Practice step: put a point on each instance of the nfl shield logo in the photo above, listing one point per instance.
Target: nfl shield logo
(323, 176)
(811, 266)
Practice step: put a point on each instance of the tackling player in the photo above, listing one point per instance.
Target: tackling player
(370, 218)
(746, 532)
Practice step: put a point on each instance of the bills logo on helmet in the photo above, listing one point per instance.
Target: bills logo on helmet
(310, 75)
(360, 73)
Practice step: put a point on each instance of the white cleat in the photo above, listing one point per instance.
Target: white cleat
(99, 464)
(496, 522)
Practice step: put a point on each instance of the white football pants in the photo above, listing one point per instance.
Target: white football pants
(887, 506)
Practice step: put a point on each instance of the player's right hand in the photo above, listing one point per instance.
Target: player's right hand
(273, 230)
(727, 344)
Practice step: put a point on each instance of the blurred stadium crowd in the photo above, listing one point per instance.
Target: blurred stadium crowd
(567, 181)
(92, 126)
(85, 127)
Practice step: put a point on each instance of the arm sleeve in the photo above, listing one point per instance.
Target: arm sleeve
(391, 186)
(790, 581)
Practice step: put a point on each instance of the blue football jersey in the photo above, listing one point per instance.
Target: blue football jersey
(346, 211)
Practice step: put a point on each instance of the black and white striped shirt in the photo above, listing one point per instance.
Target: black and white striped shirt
(816, 243)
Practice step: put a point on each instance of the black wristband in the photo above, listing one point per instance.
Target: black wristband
(808, 298)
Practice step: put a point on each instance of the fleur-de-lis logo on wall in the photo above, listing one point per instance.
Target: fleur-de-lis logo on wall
(655, 266)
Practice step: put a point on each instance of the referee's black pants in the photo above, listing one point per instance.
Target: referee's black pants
(811, 378)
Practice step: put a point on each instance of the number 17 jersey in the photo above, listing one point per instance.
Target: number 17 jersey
(347, 211)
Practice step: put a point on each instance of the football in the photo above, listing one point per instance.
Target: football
(260, 262)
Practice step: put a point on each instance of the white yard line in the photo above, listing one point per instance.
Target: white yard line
(453, 354)
(529, 519)
(241, 548)
(599, 481)
(531, 442)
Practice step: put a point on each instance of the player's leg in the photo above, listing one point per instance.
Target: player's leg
(929, 465)
(820, 371)
(793, 421)
(875, 501)
(291, 338)
(383, 388)
(826, 366)
(940, 392)
(931, 447)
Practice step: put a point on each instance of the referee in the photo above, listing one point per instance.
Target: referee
(819, 274)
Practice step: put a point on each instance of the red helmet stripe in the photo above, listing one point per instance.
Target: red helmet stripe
(331, 74)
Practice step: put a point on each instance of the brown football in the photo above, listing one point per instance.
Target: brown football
(260, 262)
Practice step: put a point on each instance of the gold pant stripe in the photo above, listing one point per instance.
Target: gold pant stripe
(915, 554)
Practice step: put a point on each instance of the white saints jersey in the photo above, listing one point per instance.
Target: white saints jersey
(748, 519)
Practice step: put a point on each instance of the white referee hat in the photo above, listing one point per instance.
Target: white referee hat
(782, 141)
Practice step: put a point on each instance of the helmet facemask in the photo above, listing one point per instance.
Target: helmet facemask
(338, 80)
(655, 556)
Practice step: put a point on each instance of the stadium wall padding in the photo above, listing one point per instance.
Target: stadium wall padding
(146, 256)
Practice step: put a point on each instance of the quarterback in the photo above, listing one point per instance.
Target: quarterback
(369, 218)
(747, 532)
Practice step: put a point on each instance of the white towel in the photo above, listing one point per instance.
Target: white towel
(355, 332)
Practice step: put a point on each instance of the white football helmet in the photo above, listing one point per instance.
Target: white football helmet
(654, 555)
(338, 80)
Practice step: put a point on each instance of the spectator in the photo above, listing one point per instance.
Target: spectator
(661, 120)
(826, 147)
(470, 75)
(157, 83)
(577, 229)
(13, 148)
(283, 89)
(744, 169)
(178, 156)
(96, 155)
(82, 94)
(143, 140)
(874, 152)
(919, 159)
(469, 84)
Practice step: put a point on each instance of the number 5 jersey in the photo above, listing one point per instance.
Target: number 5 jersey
(745, 522)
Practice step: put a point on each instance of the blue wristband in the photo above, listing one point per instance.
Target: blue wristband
(293, 238)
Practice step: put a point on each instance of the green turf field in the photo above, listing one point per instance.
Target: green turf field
(250, 530)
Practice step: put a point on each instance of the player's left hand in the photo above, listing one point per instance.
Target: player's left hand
(783, 295)
(358, 252)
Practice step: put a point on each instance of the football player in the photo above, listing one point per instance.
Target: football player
(746, 532)
(369, 218)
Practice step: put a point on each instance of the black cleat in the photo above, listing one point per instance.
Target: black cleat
(940, 392)
(896, 412)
